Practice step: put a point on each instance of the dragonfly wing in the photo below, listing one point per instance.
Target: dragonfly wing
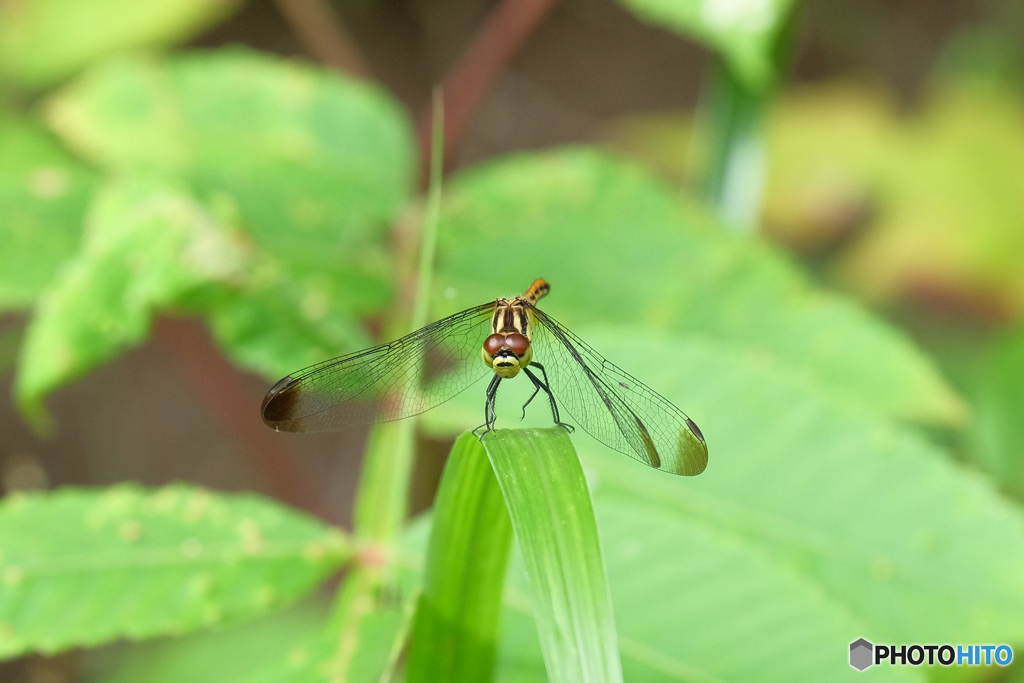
(388, 382)
(613, 406)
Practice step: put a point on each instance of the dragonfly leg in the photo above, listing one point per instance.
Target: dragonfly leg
(490, 412)
(536, 390)
(545, 385)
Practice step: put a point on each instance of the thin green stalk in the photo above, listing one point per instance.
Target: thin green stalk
(430, 219)
(382, 498)
(729, 148)
(731, 159)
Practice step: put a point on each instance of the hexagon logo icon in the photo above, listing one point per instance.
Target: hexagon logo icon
(860, 654)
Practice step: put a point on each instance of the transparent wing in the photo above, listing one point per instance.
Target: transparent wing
(614, 407)
(388, 382)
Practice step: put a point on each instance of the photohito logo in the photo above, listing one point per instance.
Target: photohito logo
(864, 654)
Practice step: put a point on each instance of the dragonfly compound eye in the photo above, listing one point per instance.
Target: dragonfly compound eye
(518, 343)
(493, 344)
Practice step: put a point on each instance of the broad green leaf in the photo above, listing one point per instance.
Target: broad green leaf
(290, 646)
(43, 196)
(454, 636)
(273, 324)
(82, 567)
(878, 520)
(293, 646)
(744, 32)
(997, 432)
(151, 247)
(372, 617)
(621, 248)
(44, 41)
(316, 165)
(147, 244)
(693, 605)
(549, 504)
(313, 166)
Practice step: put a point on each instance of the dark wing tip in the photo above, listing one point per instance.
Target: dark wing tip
(693, 451)
(278, 409)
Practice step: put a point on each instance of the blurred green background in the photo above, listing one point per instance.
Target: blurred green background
(803, 223)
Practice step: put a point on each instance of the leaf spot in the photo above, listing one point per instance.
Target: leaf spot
(196, 506)
(191, 548)
(298, 657)
(213, 614)
(13, 575)
(882, 569)
(314, 551)
(265, 595)
(200, 584)
(48, 182)
(252, 536)
(130, 531)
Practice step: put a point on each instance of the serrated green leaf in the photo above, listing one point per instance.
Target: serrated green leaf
(877, 519)
(288, 647)
(152, 247)
(744, 32)
(272, 324)
(370, 623)
(82, 567)
(694, 604)
(43, 197)
(549, 504)
(454, 636)
(621, 248)
(316, 165)
(44, 41)
(147, 245)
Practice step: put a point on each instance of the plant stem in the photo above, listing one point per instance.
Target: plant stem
(731, 158)
(320, 30)
(219, 388)
(383, 496)
(432, 214)
(382, 501)
(506, 29)
(729, 150)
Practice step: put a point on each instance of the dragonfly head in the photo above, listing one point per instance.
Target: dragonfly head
(507, 354)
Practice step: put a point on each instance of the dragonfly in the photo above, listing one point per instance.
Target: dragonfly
(502, 338)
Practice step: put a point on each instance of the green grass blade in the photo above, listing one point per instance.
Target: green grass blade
(549, 503)
(455, 633)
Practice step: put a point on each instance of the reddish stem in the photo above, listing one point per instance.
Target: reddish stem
(231, 404)
(506, 29)
(320, 29)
